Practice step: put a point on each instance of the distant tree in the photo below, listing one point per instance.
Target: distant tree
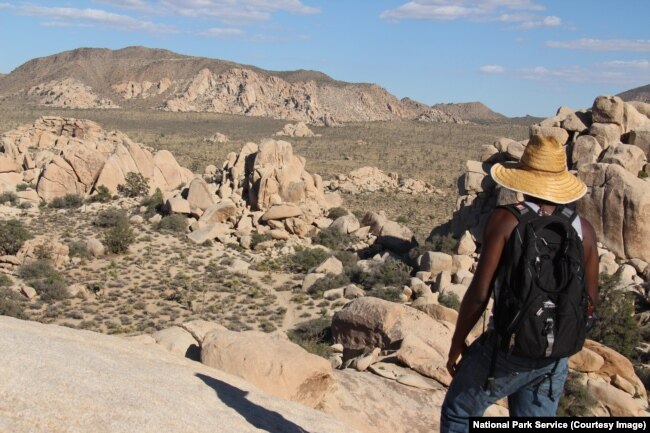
(118, 238)
(12, 236)
(135, 185)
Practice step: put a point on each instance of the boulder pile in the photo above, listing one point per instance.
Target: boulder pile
(217, 138)
(57, 156)
(608, 147)
(299, 129)
(264, 189)
(69, 93)
(372, 179)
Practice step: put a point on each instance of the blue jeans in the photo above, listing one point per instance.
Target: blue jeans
(528, 383)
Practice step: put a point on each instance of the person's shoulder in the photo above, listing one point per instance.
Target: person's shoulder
(502, 220)
(588, 231)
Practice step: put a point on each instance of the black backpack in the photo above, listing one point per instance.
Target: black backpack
(540, 307)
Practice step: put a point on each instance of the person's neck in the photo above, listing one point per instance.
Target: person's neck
(546, 207)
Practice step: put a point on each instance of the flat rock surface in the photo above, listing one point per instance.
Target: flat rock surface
(55, 379)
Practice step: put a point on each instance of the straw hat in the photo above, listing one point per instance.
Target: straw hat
(542, 172)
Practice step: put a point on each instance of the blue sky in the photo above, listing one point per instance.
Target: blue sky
(517, 56)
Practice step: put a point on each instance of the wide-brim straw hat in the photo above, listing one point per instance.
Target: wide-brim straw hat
(541, 172)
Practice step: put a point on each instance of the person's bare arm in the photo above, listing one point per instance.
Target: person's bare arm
(495, 235)
(591, 261)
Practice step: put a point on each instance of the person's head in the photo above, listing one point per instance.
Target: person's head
(541, 173)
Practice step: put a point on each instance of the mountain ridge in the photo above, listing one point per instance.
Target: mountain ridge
(641, 94)
(154, 78)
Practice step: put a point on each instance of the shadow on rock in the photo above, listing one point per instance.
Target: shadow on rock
(256, 416)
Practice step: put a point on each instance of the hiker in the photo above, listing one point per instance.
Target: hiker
(496, 365)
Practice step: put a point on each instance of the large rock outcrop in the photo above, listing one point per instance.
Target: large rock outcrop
(421, 341)
(81, 381)
(271, 362)
(618, 205)
(70, 156)
(244, 91)
(69, 93)
(606, 148)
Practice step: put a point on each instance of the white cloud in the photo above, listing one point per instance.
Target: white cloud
(6, 6)
(126, 4)
(228, 11)
(221, 32)
(631, 64)
(528, 21)
(74, 17)
(616, 72)
(516, 11)
(637, 45)
(492, 69)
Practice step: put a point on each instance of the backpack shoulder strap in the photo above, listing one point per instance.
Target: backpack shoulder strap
(566, 213)
(521, 211)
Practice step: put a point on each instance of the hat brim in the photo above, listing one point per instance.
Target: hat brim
(561, 188)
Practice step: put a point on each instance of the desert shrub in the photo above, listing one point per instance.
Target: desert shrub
(615, 326)
(78, 249)
(68, 201)
(12, 236)
(102, 195)
(332, 238)
(267, 326)
(643, 174)
(347, 258)
(449, 300)
(329, 281)
(391, 294)
(258, 238)
(5, 281)
(306, 258)
(8, 197)
(43, 251)
(173, 223)
(443, 243)
(336, 212)
(111, 217)
(21, 187)
(47, 281)
(576, 400)
(11, 304)
(118, 238)
(154, 203)
(135, 185)
(315, 336)
(389, 273)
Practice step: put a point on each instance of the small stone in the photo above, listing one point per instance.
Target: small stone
(279, 235)
(331, 265)
(28, 291)
(310, 280)
(333, 293)
(351, 291)
(364, 362)
(466, 244)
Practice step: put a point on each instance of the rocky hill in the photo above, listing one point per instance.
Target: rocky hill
(473, 111)
(641, 94)
(138, 77)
